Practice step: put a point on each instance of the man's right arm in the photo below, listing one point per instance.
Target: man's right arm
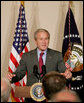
(12, 77)
(20, 71)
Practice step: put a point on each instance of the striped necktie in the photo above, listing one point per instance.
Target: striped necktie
(40, 61)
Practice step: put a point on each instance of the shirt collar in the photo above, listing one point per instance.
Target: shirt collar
(39, 51)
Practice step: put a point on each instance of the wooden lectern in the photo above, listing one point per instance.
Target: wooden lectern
(22, 91)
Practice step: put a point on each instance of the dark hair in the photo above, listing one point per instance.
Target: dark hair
(41, 30)
(52, 83)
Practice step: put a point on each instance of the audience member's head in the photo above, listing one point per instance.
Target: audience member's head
(52, 83)
(5, 89)
(65, 96)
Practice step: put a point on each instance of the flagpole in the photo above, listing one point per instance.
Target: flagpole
(22, 2)
(70, 3)
(69, 84)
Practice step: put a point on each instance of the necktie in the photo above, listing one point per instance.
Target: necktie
(40, 62)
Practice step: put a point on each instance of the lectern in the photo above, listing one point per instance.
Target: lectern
(35, 92)
(22, 91)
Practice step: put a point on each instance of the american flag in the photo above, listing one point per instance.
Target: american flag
(20, 46)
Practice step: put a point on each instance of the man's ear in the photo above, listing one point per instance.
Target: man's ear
(35, 41)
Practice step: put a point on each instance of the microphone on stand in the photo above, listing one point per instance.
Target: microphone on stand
(35, 71)
(43, 70)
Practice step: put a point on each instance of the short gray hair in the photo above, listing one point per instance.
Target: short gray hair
(5, 93)
(41, 30)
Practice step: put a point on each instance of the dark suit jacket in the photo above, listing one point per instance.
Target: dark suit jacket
(54, 62)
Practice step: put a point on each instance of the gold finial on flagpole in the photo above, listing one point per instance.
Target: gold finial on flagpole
(22, 2)
(70, 3)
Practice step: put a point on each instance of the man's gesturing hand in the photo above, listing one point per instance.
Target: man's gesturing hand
(67, 74)
(10, 76)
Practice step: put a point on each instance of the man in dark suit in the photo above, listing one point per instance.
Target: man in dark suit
(51, 59)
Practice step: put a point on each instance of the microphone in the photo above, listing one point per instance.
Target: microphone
(35, 70)
(43, 70)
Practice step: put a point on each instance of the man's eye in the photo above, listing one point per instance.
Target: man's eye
(46, 39)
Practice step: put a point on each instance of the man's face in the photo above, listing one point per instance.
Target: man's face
(42, 41)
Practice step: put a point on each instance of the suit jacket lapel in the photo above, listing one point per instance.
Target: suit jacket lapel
(35, 58)
(48, 57)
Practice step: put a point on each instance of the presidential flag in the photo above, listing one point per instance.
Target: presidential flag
(72, 51)
(20, 46)
(71, 36)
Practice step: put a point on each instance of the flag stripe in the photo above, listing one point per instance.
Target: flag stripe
(16, 99)
(26, 50)
(13, 59)
(12, 66)
(15, 54)
(27, 45)
(10, 69)
(17, 84)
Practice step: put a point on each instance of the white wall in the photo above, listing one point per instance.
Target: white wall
(45, 14)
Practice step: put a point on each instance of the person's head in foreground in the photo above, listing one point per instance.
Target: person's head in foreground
(52, 83)
(65, 96)
(5, 89)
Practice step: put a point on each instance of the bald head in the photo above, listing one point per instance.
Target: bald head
(66, 96)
